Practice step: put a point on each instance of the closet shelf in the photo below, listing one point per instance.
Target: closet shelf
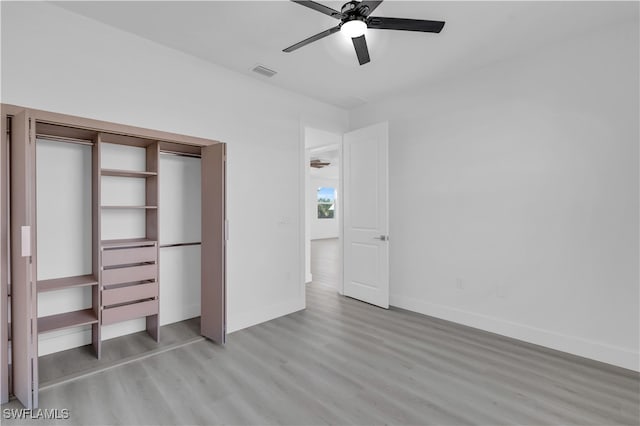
(130, 242)
(66, 320)
(129, 207)
(66, 282)
(127, 173)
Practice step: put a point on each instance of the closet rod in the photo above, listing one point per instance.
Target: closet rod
(180, 154)
(180, 244)
(64, 139)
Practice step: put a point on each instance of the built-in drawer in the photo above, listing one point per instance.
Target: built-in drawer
(114, 257)
(129, 274)
(129, 293)
(127, 312)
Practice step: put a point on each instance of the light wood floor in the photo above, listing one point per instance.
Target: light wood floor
(325, 261)
(341, 361)
(59, 366)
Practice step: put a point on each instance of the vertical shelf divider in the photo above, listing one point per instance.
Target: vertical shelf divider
(96, 262)
(153, 223)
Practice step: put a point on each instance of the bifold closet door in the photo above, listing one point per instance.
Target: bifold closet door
(213, 294)
(4, 258)
(24, 298)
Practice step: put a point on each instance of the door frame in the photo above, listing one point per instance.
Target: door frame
(327, 148)
(304, 159)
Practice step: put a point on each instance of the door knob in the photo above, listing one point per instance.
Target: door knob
(382, 238)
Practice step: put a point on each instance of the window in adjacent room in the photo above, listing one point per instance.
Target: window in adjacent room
(326, 203)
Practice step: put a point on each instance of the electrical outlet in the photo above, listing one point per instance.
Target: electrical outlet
(284, 220)
(460, 284)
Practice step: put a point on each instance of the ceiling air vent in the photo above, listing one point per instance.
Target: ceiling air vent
(262, 70)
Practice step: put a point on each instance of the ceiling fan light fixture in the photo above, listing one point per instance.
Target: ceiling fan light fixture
(356, 20)
(354, 28)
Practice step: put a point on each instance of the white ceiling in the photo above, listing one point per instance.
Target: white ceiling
(240, 34)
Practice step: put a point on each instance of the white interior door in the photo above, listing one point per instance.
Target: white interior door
(366, 214)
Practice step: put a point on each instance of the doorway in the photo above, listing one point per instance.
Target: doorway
(323, 215)
(347, 212)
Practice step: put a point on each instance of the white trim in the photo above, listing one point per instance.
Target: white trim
(598, 351)
(303, 182)
(341, 200)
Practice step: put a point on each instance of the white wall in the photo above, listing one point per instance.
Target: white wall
(55, 60)
(63, 198)
(322, 228)
(514, 196)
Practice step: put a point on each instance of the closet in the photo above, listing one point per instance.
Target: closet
(85, 241)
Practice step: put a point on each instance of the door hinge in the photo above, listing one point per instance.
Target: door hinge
(33, 379)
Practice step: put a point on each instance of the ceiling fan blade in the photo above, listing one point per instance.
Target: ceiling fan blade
(367, 7)
(312, 39)
(360, 43)
(402, 24)
(320, 8)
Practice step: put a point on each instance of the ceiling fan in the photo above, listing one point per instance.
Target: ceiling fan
(354, 20)
(318, 164)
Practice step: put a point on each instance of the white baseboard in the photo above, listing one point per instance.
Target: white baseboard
(239, 321)
(63, 340)
(308, 278)
(598, 351)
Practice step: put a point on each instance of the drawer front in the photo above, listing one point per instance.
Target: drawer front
(129, 274)
(127, 312)
(114, 257)
(129, 293)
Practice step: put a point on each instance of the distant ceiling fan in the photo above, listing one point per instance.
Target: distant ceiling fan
(354, 20)
(318, 164)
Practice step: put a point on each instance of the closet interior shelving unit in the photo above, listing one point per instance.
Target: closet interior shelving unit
(129, 267)
(124, 276)
(90, 315)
